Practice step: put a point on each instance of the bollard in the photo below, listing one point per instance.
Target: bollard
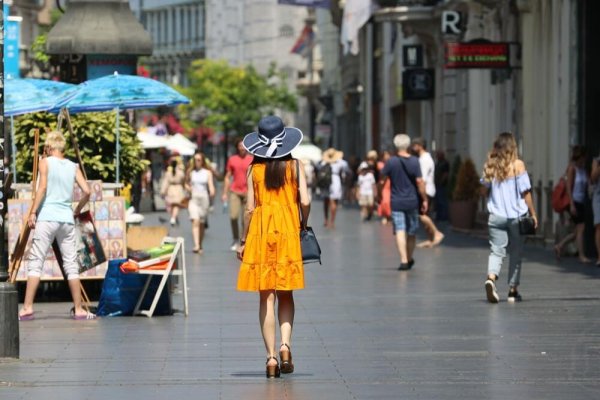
(9, 321)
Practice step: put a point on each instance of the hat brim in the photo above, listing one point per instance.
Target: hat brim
(333, 157)
(293, 137)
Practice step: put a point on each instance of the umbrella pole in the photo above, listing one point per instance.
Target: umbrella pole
(13, 149)
(118, 148)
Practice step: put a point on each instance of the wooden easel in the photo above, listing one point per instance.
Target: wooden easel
(21, 244)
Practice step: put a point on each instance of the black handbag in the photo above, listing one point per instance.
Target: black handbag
(526, 225)
(311, 251)
(526, 222)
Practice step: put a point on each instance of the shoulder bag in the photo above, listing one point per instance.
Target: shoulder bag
(311, 251)
(526, 222)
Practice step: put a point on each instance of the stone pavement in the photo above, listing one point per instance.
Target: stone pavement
(363, 330)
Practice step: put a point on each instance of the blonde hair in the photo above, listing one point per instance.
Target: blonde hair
(500, 158)
(55, 141)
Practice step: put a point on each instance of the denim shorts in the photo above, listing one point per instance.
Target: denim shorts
(407, 221)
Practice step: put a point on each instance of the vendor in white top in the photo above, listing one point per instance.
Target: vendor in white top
(52, 218)
(507, 184)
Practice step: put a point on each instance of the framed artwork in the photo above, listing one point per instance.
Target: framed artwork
(101, 236)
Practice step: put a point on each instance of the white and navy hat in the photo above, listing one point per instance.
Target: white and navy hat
(273, 139)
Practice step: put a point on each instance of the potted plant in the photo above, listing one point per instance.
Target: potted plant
(464, 197)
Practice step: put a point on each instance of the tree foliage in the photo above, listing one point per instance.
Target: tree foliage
(234, 98)
(96, 136)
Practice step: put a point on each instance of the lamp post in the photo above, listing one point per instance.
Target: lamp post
(9, 303)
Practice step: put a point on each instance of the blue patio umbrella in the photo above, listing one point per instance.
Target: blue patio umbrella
(120, 92)
(24, 96)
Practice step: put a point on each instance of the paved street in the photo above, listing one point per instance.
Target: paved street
(363, 330)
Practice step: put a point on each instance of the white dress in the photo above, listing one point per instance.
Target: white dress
(338, 169)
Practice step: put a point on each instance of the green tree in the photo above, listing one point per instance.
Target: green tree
(96, 136)
(233, 99)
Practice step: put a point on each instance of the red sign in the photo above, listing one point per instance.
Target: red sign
(477, 55)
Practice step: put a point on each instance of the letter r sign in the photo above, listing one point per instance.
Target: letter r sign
(451, 21)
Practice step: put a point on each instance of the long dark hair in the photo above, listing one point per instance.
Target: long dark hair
(275, 171)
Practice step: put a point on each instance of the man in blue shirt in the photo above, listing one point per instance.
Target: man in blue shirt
(404, 172)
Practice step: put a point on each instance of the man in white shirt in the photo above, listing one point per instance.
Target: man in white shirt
(427, 164)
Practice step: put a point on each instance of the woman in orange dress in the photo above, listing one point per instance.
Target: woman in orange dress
(270, 253)
(385, 205)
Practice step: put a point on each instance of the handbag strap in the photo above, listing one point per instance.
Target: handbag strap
(298, 191)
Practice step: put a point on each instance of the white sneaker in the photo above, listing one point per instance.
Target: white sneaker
(234, 246)
(491, 292)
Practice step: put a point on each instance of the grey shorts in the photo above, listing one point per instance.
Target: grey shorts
(198, 207)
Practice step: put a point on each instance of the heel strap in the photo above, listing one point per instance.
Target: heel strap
(286, 345)
(272, 357)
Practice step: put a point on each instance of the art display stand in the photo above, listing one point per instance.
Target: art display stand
(177, 259)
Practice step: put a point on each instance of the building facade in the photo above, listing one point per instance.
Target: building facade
(262, 32)
(178, 31)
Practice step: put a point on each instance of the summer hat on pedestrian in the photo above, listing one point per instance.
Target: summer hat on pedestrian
(332, 155)
(273, 139)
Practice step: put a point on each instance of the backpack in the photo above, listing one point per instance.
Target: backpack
(324, 176)
(560, 197)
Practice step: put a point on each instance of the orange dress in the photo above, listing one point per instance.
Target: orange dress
(272, 256)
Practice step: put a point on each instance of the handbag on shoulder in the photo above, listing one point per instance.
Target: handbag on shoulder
(311, 251)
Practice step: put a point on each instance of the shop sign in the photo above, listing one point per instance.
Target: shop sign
(418, 84)
(412, 56)
(477, 55)
(451, 22)
(99, 65)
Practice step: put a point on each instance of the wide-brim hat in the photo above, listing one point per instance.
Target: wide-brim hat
(332, 155)
(273, 139)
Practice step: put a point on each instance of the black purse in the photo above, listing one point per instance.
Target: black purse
(526, 222)
(526, 225)
(311, 251)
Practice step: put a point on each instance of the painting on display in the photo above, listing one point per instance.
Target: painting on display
(97, 241)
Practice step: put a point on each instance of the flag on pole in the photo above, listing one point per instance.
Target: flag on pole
(305, 42)
(356, 14)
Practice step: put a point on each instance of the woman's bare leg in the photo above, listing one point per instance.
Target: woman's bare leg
(266, 317)
(579, 230)
(196, 233)
(285, 311)
(333, 210)
(32, 284)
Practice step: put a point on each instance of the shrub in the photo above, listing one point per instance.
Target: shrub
(467, 182)
(96, 136)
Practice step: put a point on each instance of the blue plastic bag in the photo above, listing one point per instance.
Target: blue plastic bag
(120, 292)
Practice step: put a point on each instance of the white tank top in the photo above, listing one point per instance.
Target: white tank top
(580, 185)
(199, 182)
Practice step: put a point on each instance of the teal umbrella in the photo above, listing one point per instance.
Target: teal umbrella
(120, 92)
(24, 96)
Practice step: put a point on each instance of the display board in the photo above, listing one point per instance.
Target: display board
(108, 214)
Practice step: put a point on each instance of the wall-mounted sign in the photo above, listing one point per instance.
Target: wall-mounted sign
(12, 33)
(451, 22)
(412, 56)
(477, 55)
(418, 84)
(99, 65)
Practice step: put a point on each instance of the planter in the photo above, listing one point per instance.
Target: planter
(462, 213)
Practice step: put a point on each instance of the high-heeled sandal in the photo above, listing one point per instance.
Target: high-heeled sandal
(273, 371)
(287, 366)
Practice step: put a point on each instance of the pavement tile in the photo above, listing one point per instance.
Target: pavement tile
(363, 330)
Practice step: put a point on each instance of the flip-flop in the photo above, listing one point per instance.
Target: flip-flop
(27, 317)
(85, 317)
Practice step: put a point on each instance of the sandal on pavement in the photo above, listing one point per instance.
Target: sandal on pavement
(287, 366)
(273, 371)
(27, 317)
(84, 317)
